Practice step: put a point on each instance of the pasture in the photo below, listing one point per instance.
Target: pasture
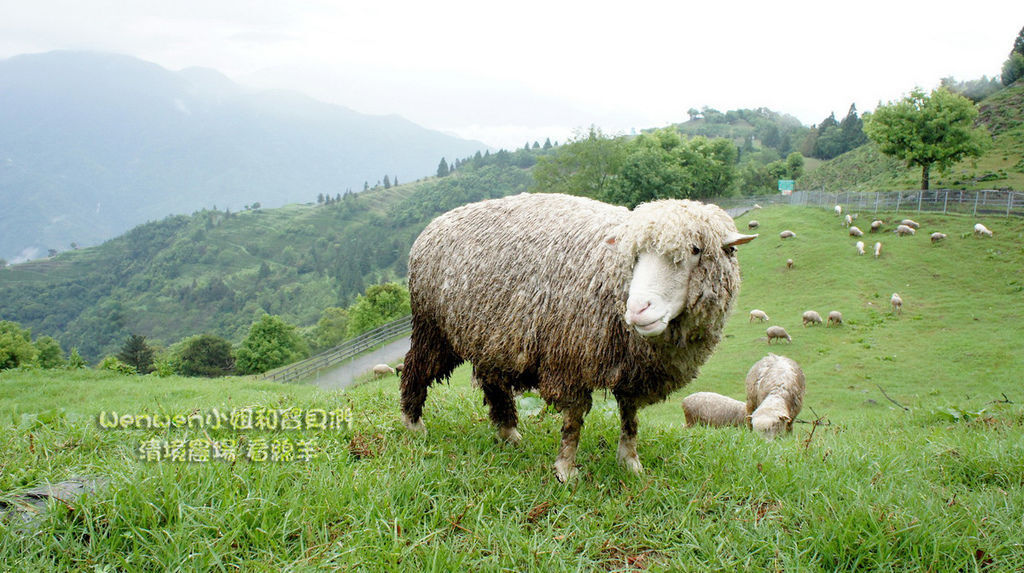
(910, 455)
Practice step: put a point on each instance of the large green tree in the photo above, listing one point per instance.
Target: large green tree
(585, 165)
(16, 348)
(1013, 67)
(271, 343)
(381, 304)
(206, 355)
(50, 353)
(136, 352)
(927, 130)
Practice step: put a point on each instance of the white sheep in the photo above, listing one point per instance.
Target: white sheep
(980, 230)
(897, 303)
(835, 318)
(775, 395)
(789, 263)
(777, 332)
(712, 409)
(910, 224)
(860, 247)
(876, 225)
(878, 250)
(904, 230)
(811, 317)
(753, 224)
(838, 210)
(758, 314)
(787, 234)
(847, 220)
(855, 232)
(381, 370)
(936, 237)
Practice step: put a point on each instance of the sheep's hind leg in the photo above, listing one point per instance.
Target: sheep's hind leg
(626, 453)
(572, 424)
(502, 406)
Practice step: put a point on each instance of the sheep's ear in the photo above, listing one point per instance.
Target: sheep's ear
(733, 238)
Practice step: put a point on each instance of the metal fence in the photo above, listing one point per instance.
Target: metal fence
(344, 351)
(988, 203)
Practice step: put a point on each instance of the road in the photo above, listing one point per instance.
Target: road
(345, 373)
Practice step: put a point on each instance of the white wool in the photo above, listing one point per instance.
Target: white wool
(775, 394)
(713, 409)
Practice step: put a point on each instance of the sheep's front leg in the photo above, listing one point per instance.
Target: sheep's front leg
(572, 424)
(626, 454)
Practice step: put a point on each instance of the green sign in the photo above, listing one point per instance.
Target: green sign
(786, 185)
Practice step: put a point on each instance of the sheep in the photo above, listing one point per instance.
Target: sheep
(758, 314)
(789, 263)
(777, 332)
(910, 224)
(860, 247)
(980, 230)
(838, 210)
(904, 230)
(811, 317)
(936, 237)
(876, 225)
(568, 295)
(897, 303)
(775, 395)
(847, 220)
(855, 232)
(787, 234)
(711, 409)
(756, 206)
(753, 224)
(878, 250)
(399, 367)
(835, 318)
(382, 370)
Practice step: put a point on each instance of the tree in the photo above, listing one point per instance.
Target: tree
(271, 343)
(381, 304)
(442, 168)
(16, 347)
(332, 328)
(1013, 67)
(50, 353)
(387, 182)
(206, 355)
(927, 130)
(794, 165)
(852, 130)
(135, 352)
(585, 165)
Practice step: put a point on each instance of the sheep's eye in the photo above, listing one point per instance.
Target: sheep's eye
(696, 249)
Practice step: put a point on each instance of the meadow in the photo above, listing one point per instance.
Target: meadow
(909, 454)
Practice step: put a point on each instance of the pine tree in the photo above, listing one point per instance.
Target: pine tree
(387, 182)
(442, 168)
(135, 352)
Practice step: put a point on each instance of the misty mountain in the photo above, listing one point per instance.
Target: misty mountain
(93, 144)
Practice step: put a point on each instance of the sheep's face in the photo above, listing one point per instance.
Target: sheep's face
(770, 425)
(685, 258)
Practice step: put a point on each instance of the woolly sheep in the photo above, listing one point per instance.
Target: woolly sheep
(910, 224)
(876, 226)
(711, 409)
(569, 295)
(775, 395)
(381, 370)
(855, 232)
(835, 318)
(753, 224)
(811, 317)
(756, 206)
(787, 234)
(936, 237)
(897, 303)
(838, 210)
(758, 314)
(878, 250)
(789, 263)
(777, 332)
(847, 220)
(904, 230)
(980, 229)
(860, 247)
(399, 367)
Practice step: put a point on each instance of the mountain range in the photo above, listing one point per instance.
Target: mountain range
(93, 144)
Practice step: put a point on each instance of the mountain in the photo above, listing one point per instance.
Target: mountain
(93, 144)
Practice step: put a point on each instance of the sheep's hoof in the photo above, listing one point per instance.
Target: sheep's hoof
(632, 462)
(416, 426)
(565, 470)
(510, 435)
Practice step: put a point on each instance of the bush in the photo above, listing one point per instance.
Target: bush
(50, 353)
(271, 343)
(112, 364)
(206, 355)
(16, 349)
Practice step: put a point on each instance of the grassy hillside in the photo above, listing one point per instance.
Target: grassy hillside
(1002, 165)
(935, 487)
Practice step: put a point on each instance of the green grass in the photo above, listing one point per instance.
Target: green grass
(938, 487)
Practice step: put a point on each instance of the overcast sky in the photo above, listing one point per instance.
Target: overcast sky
(510, 72)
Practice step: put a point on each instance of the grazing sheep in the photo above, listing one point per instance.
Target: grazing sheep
(811, 317)
(758, 314)
(777, 332)
(897, 303)
(789, 263)
(980, 229)
(910, 224)
(787, 234)
(855, 232)
(756, 206)
(904, 230)
(775, 395)
(847, 220)
(936, 237)
(382, 370)
(835, 318)
(876, 226)
(753, 224)
(878, 250)
(711, 409)
(569, 295)
(860, 247)
(838, 210)
(399, 367)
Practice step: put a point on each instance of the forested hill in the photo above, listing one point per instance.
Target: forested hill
(217, 271)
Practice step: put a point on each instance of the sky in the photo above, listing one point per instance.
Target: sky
(508, 73)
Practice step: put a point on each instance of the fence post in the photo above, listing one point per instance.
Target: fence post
(1009, 202)
(944, 201)
(899, 197)
(876, 201)
(975, 204)
(920, 197)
